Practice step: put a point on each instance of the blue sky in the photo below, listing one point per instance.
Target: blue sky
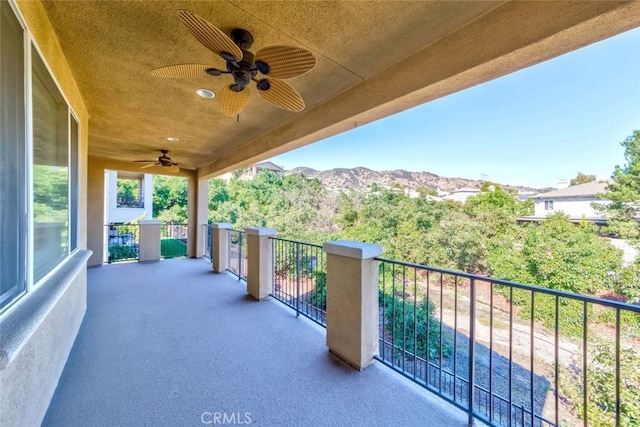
(532, 127)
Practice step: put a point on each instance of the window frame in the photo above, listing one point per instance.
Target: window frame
(30, 45)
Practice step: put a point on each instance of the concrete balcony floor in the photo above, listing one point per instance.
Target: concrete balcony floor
(164, 343)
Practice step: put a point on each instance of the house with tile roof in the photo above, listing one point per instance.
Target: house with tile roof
(575, 201)
(462, 194)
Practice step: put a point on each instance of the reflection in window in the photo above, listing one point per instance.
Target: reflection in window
(12, 158)
(50, 171)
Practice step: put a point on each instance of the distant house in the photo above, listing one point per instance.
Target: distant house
(462, 194)
(255, 169)
(526, 195)
(574, 201)
(127, 207)
(252, 171)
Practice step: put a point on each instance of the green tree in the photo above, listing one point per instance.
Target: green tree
(582, 179)
(561, 255)
(624, 193)
(128, 189)
(170, 195)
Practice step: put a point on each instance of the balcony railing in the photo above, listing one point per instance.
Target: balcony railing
(300, 278)
(238, 254)
(123, 242)
(507, 353)
(208, 232)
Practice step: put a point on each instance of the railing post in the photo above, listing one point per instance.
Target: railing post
(298, 279)
(352, 301)
(472, 349)
(220, 247)
(259, 262)
(240, 256)
(150, 240)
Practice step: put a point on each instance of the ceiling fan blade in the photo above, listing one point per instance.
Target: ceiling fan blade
(149, 165)
(172, 168)
(283, 95)
(233, 102)
(210, 36)
(182, 71)
(187, 167)
(144, 161)
(286, 61)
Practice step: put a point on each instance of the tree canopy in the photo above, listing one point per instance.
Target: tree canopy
(624, 192)
(582, 179)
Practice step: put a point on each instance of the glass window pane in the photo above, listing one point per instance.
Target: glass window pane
(75, 141)
(12, 158)
(50, 171)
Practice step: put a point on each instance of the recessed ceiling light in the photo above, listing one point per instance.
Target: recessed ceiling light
(173, 139)
(205, 93)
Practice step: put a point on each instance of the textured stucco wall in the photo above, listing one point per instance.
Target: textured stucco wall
(28, 384)
(576, 207)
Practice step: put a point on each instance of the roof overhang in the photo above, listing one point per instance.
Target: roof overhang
(375, 58)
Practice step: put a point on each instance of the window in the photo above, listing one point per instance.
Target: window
(50, 171)
(38, 169)
(548, 205)
(74, 140)
(13, 208)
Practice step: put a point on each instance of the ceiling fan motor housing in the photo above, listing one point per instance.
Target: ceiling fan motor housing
(244, 71)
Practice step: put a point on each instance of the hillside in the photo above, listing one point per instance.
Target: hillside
(359, 178)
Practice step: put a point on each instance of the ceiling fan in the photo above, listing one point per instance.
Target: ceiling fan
(274, 62)
(164, 161)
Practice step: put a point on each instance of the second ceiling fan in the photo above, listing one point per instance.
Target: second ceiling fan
(273, 62)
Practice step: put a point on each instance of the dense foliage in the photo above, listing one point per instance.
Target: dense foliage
(582, 179)
(624, 192)
(481, 236)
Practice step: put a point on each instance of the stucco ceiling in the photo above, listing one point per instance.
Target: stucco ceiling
(375, 58)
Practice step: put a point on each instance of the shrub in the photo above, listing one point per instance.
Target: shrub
(406, 318)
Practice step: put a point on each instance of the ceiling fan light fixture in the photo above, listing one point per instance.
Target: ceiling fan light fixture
(263, 67)
(205, 93)
(173, 139)
(264, 84)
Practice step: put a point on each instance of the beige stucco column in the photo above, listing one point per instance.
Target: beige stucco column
(95, 212)
(150, 240)
(352, 301)
(259, 262)
(220, 247)
(197, 212)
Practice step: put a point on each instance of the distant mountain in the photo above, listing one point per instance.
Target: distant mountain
(362, 178)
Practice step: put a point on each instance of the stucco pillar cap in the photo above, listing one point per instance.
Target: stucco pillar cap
(260, 231)
(149, 221)
(349, 249)
(222, 225)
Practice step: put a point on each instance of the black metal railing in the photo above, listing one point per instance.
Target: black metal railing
(509, 354)
(173, 240)
(123, 242)
(208, 232)
(300, 278)
(130, 202)
(238, 254)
